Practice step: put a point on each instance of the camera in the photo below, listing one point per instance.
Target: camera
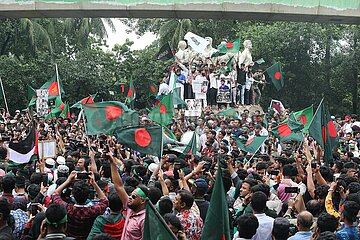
(292, 190)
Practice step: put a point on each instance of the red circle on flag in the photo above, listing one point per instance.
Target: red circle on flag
(62, 106)
(152, 88)
(53, 89)
(113, 112)
(229, 45)
(162, 109)
(332, 129)
(130, 93)
(323, 133)
(249, 141)
(142, 137)
(284, 130)
(277, 75)
(302, 119)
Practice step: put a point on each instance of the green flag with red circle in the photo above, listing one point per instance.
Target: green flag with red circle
(190, 149)
(164, 111)
(217, 224)
(52, 86)
(275, 74)
(304, 117)
(144, 139)
(229, 47)
(131, 94)
(105, 117)
(289, 130)
(323, 130)
(153, 88)
(251, 145)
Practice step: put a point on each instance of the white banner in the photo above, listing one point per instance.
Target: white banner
(194, 107)
(197, 43)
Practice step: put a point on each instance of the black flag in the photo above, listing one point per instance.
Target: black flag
(164, 53)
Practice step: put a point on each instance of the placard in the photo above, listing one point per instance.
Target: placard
(223, 96)
(47, 149)
(200, 88)
(194, 107)
(42, 102)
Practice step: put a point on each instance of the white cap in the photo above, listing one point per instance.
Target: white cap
(13, 121)
(60, 160)
(50, 162)
(17, 111)
(152, 167)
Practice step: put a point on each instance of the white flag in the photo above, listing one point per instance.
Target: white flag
(197, 43)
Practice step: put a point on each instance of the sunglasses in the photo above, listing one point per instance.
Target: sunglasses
(134, 196)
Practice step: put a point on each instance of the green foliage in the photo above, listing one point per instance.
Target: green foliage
(318, 60)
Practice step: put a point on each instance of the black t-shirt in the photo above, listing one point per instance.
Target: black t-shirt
(241, 75)
(203, 206)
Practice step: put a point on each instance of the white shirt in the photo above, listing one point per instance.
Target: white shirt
(248, 82)
(163, 89)
(213, 80)
(265, 227)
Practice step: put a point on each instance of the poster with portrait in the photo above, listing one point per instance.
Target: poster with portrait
(223, 96)
(194, 107)
(200, 88)
(42, 102)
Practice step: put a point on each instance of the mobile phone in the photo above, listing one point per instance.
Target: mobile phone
(313, 164)
(177, 166)
(292, 190)
(83, 175)
(34, 207)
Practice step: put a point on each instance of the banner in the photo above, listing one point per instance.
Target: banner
(197, 43)
(223, 96)
(194, 107)
(200, 88)
(42, 107)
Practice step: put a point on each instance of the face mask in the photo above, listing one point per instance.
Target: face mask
(77, 169)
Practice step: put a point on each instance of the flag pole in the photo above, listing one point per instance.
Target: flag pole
(3, 92)
(87, 137)
(57, 79)
(316, 112)
(255, 151)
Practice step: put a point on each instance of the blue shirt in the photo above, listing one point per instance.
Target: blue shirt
(301, 236)
(348, 233)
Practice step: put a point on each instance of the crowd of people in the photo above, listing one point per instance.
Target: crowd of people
(232, 75)
(95, 188)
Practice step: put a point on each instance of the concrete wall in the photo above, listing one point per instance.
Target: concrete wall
(332, 11)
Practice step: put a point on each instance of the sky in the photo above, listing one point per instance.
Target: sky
(120, 36)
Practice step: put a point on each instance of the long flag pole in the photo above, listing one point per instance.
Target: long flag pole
(3, 92)
(57, 79)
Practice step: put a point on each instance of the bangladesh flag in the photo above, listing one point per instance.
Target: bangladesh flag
(165, 53)
(304, 117)
(130, 96)
(289, 130)
(105, 117)
(252, 145)
(323, 130)
(177, 101)
(229, 47)
(65, 113)
(169, 133)
(275, 74)
(153, 88)
(32, 102)
(155, 227)
(53, 87)
(146, 139)
(191, 147)
(231, 112)
(86, 100)
(217, 225)
(164, 111)
(58, 109)
(31, 92)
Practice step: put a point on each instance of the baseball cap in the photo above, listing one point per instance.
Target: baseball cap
(200, 184)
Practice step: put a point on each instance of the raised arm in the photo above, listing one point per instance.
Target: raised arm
(118, 184)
